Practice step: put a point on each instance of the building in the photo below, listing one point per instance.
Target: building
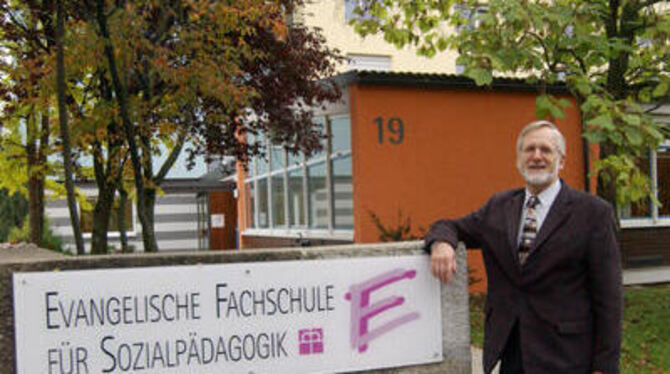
(380, 159)
(194, 211)
(645, 227)
(403, 146)
(371, 52)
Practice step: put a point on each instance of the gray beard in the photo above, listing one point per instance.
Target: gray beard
(540, 179)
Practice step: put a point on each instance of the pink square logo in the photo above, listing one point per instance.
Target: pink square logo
(310, 341)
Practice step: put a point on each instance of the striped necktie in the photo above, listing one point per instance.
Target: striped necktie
(529, 230)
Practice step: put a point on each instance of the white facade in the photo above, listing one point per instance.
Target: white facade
(176, 223)
(371, 52)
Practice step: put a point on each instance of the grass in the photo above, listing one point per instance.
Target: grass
(477, 319)
(646, 329)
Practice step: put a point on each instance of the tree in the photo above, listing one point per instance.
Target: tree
(33, 38)
(208, 72)
(64, 129)
(27, 36)
(612, 56)
(13, 209)
(174, 73)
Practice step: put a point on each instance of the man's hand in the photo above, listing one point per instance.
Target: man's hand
(443, 261)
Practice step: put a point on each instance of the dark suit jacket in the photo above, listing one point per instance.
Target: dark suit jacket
(567, 297)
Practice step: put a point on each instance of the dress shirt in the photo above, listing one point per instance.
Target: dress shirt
(545, 198)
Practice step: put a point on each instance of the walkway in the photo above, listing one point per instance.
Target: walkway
(651, 275)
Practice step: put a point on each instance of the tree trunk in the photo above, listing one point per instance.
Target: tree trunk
(149, 237)
(42, 151)
(618, 24)
(35, 210)
(101, 214)
(35, 206)
(128, 127)
(65, 131)
(121, 218)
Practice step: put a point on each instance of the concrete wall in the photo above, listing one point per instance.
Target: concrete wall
(455, 323)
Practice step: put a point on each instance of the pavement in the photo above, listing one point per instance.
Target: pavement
(22, 252)
(477, 367)
(648, 275)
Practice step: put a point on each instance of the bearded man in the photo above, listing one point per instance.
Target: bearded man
(554, 301)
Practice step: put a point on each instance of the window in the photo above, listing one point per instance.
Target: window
(369, 62)
(321, 121)
(470, 20)
(278, 208)
(341, 173)
(86, 221)
(350, 10)
(342, 191)
(261, 165)
(251, 201)
(296, 198)
(318, 196)
(657, 165)
(663, 180)
(277, 157)
(296, 193)
(262, 196)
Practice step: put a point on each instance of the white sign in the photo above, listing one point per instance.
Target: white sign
(314, 316)
(217, 221)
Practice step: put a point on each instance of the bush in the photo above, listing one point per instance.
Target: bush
(403, 232)
(13, 210)
(49, 240)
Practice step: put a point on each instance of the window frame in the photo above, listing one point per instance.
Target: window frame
(654, 220)
(350, 10)
(305, 230)
(473, 17)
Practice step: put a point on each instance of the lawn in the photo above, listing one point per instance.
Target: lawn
(646, 335)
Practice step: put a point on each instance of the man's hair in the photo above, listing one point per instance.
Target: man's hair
(560, 140)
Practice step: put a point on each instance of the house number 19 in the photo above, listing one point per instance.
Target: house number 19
(394, 129)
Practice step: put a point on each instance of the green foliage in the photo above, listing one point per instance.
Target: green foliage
(612, 56)
(477, 319)
(49, 240)
(632, 184)
(401, 232)
(146, 77)
(13, 210)
(550, 106)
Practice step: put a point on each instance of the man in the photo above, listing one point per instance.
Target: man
(554, 302)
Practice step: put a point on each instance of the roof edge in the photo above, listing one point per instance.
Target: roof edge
(428, 80)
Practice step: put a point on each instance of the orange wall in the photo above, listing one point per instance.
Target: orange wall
(243, 202)
(458, 149)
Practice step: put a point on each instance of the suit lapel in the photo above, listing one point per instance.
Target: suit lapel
(513, 210)
(559, 211)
